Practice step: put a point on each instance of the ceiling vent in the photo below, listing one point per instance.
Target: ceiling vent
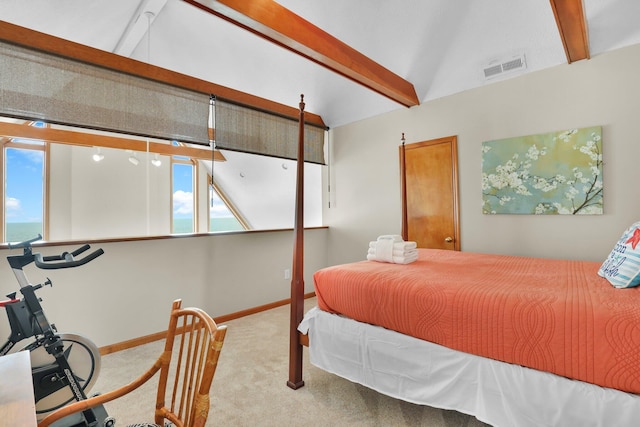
(501, 67)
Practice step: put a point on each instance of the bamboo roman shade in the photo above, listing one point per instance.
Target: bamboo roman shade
(245, 129)
(40, 86)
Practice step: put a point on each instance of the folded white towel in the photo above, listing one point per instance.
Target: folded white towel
(391, 248)
(384, 250)
(395, 259)
(394, 237)
(396, 252)
(396, 245)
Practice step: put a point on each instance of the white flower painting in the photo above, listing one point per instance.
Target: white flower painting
(546, 174)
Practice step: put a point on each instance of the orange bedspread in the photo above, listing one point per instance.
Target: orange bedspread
(557, 316)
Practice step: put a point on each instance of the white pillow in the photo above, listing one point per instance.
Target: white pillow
(622, 266)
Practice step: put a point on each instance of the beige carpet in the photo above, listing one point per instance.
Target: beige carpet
(249, 388)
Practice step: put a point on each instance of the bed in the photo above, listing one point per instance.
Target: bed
(514, 341)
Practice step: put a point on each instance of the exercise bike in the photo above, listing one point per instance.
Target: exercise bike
(64, 366)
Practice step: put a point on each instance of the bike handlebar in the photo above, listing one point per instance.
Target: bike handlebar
(26, 243)
(50, 262)
(66, 259)
(62, 256)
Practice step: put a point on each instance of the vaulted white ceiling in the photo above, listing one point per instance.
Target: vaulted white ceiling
(439, 46)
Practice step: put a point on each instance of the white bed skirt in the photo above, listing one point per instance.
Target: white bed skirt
(497, 393)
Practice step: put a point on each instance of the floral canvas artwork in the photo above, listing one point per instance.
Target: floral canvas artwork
(546, 174)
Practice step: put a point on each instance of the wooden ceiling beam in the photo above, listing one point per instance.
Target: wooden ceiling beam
(572, 25)
(279, 25)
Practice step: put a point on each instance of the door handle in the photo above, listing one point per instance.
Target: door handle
(448, 239)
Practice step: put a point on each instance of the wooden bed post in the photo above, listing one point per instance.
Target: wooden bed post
(403, 190)
(297, 282)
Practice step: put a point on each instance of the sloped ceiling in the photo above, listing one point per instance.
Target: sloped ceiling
(440, 47)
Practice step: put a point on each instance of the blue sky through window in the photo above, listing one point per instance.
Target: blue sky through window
(24, 194)
(182, 190)
(183, 198)
(24, 185)
(218, 208)
(220, 217)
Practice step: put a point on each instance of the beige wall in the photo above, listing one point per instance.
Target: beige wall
(604, 90)
(127, 292)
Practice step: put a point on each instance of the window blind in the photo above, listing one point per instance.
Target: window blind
(40, 86)
(245, 129)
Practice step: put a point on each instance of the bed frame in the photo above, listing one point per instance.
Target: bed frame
(298, 340)
(297, 278)
(565, 402)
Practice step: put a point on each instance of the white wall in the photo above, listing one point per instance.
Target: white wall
(127, 292)
(604, 90)
(108, 199)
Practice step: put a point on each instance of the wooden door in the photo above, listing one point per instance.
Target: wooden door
(430, 187)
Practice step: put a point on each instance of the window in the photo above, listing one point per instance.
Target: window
(68, 183)
(24, 190)
(183, 202)
(221, 217)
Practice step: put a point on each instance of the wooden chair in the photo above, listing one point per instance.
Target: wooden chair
(187, 366)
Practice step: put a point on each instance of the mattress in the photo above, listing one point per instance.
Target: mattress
(556, 316)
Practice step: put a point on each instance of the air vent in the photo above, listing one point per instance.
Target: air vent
(504, 66)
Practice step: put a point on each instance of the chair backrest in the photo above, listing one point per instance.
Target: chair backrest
(188, 365)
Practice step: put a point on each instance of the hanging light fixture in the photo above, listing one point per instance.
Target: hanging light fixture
(156, 161)
(97, 156)
(133, 159)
